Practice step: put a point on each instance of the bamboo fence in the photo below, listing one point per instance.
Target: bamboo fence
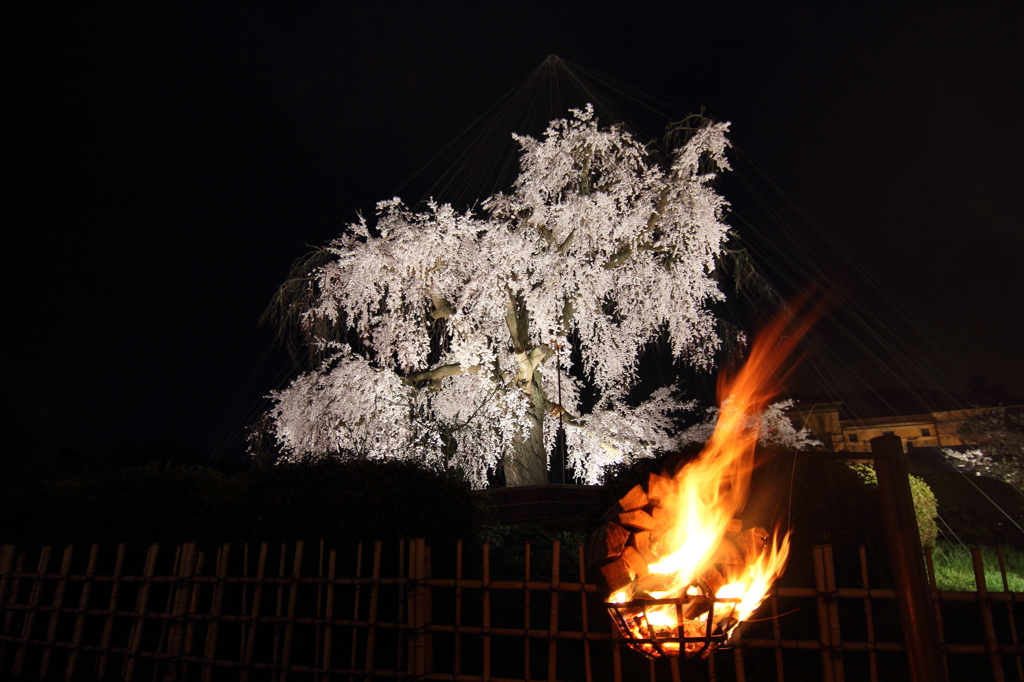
(262, 612)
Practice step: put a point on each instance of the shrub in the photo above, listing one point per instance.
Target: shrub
(978, 510)
(339, 501)
(354, 499)
(148, 504)
(926, 507)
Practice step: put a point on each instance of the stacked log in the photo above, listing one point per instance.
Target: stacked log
(630, 540)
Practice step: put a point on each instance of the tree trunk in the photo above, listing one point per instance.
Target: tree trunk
(528, 462)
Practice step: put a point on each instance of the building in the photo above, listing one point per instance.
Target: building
(927, 430)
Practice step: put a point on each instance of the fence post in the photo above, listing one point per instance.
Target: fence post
(921, 633)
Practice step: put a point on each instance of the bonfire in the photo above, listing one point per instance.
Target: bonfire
(680, 569)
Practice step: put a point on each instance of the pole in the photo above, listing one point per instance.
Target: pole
(921, 633)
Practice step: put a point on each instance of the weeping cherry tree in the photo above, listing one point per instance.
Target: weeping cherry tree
(458, 330)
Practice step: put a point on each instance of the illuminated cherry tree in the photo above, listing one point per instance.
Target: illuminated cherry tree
(462, 326)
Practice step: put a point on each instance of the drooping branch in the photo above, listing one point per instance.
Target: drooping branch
(438, 373)
(624, 254)
(287, 311)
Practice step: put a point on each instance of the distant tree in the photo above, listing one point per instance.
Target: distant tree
(773, 428)
(448, 337)
(996, 437)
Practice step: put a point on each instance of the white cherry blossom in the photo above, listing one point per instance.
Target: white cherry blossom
(459, 315)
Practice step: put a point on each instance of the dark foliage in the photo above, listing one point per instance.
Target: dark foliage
(833, 505)
(30, 450)
(337, 500)
(970, 509)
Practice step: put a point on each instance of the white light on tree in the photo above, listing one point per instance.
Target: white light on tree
(460, 314)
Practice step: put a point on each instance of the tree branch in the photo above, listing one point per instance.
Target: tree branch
(435, 375)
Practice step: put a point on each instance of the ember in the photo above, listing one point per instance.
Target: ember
(681, 571)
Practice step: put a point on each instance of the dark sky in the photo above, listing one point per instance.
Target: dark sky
(169, 166)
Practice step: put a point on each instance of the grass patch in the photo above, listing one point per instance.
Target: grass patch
(954, 569)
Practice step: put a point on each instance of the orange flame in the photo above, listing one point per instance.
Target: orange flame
(702, 501)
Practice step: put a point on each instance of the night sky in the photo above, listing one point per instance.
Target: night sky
(167, 167)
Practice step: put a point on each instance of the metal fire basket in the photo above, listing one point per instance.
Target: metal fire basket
(634, 620)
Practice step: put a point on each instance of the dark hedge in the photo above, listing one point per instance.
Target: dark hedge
(337, 500)
(973, 509)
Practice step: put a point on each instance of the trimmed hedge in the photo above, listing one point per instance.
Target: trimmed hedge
(972, 508)
(925, 505)
(337, 500)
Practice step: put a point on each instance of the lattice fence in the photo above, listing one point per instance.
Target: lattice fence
(392, 610)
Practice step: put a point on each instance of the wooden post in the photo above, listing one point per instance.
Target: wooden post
(417, 618)
(293, 595)
(108, 625)
(924, 651)
(7, 555)
(371, 630)
(556, 562)
(210, 650)
(828, 663)
(193, 606)
(526, 614)
(12, 598)
(261, 565)
(243, 635)
(411, 611)
(929, 564)
(275, 676)
(318, 649)
(833, 612)
(83, 604)
(135, 636)
(427, 616)
(172, 591)
(403, 572)
(355, 607)
(329, 615)
(588, 672)
(869, 618)
(1009, 614)
(458, 608)
(179, 609)
(33, 605)
(486, 552)
(58, 601)
(986, 616)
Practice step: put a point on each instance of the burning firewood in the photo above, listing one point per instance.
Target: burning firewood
(636, 498)
(637, 520)
(623, 551)
(688, 572)
(636, 537)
